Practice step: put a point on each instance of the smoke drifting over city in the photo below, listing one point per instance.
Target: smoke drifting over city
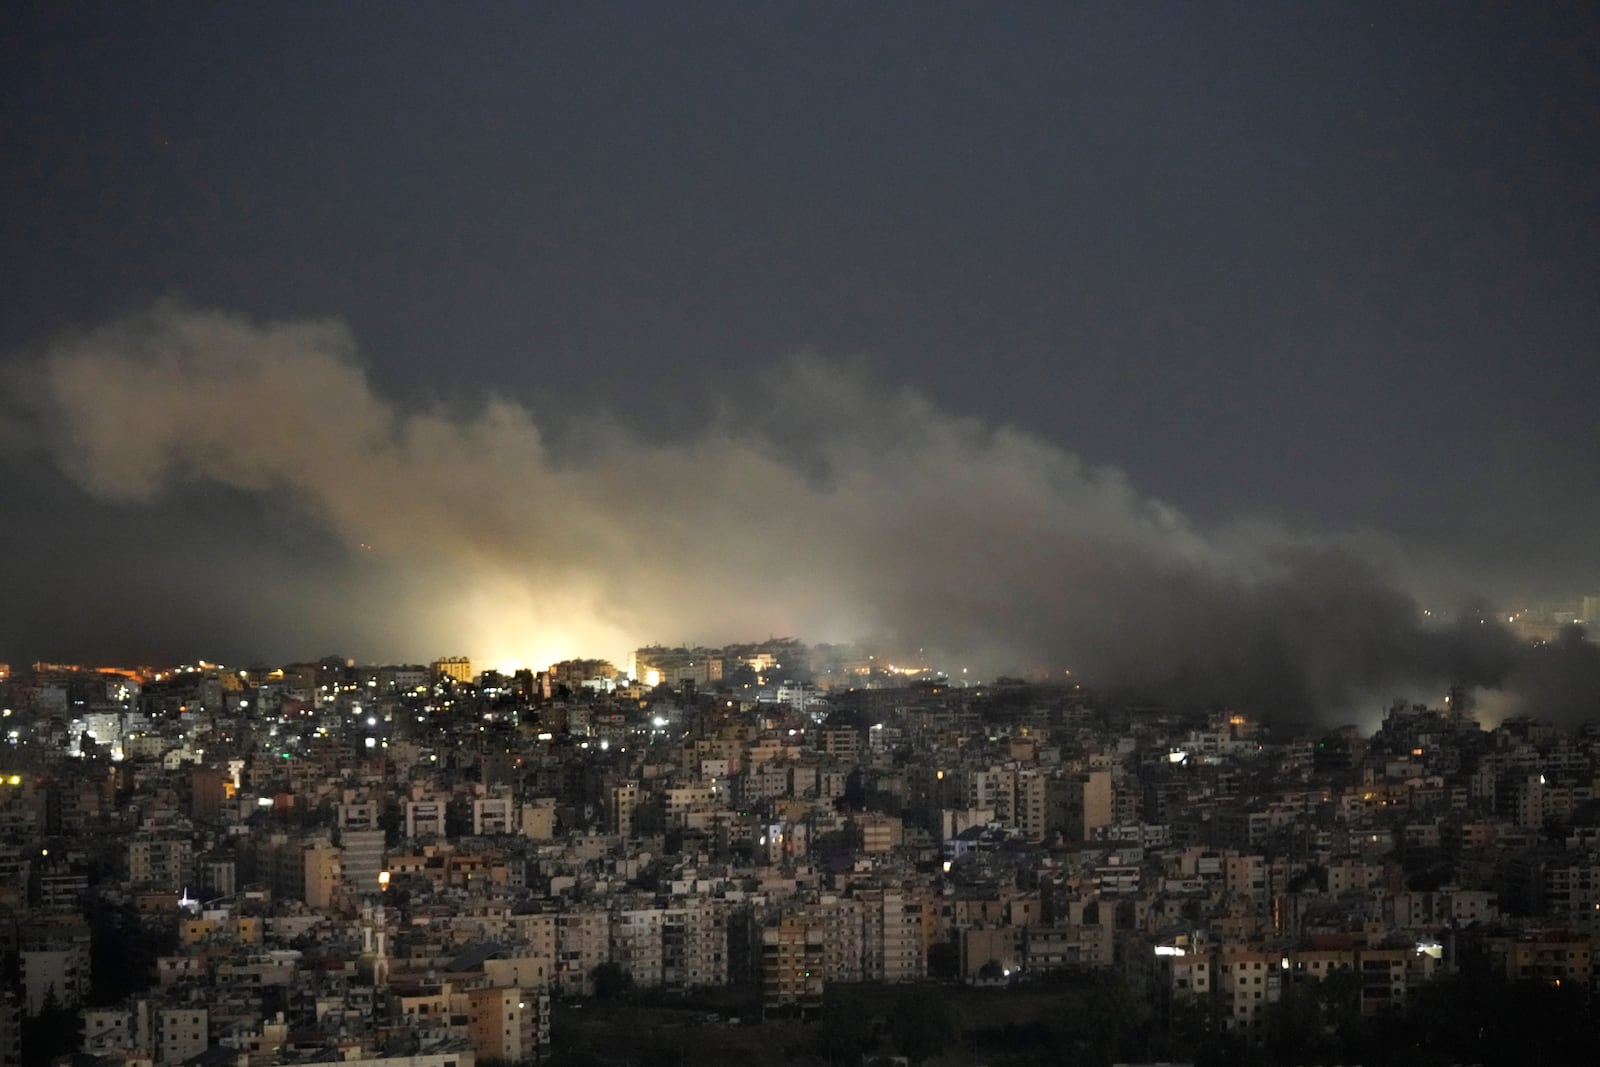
(821, 503)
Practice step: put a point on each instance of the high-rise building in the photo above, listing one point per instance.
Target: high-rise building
(657, 665)
(508, 1025)
(1032, 814)
(636, 944)
(893, 936)
(1082, 803)
(216, 874)
(297, 868)
(182, 1033)
(209, 787)
(583, 942)
(361, 859)
(492, 815)
(537, 819)
(456, 668)
(694, 945)
(107, 1031)
(424, 818)
(322, 874)
(58, 971)
(792, 964)
(10, 1031)
(625, 798)
(160, 861)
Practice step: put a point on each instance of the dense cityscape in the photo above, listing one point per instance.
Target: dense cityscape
(766, 853)
(823, 535)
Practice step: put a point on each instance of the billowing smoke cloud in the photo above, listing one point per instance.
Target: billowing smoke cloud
(820, 505)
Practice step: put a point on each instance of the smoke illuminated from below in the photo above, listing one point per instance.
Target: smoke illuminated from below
(818, 504)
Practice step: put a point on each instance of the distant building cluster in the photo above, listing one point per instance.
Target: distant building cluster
(1545, 622)
(405, 864)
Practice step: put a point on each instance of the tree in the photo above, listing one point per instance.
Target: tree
(1194, 1027)
(944, 961)
(1339, 996)
(1295, 1024)
(847, 838)
(574, 1058)
(847, 1031)
(650, 817)
(1116, 1019)
(664, 1051)
(922, 1027)
(123, 949)
(51, 1033)
(1315, 876)
(612, 980)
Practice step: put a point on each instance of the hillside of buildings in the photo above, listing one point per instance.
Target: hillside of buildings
(773, 854)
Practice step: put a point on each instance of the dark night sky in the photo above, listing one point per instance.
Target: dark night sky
(1334, 265)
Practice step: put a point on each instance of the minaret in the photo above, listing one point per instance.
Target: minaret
(375, 943)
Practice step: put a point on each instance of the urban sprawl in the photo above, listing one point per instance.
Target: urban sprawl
(409, 865)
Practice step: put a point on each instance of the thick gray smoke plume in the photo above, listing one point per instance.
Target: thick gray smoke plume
(870, 513)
